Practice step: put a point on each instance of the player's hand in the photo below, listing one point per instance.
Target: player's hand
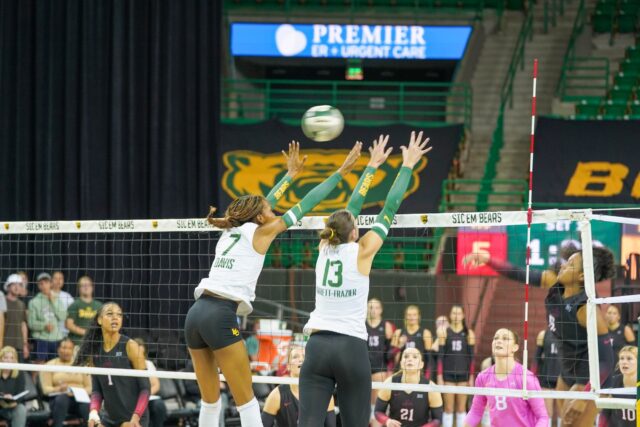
(379, 151)
(134, 422)
(94, 419)
(417, 148)
(402, 341)
(392, 423)
(351, 159)
(475, 259)
(575, 408)
(295, 164)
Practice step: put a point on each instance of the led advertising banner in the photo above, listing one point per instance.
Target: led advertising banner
(349, 41)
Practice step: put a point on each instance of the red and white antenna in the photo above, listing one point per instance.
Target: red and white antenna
(525, 353)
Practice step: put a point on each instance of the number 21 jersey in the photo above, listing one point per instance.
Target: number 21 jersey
(341, 292)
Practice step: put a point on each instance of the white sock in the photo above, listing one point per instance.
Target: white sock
(460, 416)
(250, 414)
(209, 413)
(447, 420)
(372, 417)
(559, 422)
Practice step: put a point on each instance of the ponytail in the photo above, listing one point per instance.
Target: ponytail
(338, 227)
(242, 210)
(330, 235)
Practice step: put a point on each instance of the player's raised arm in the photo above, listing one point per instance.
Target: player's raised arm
(267, 232)
(372, 241)
(295, 165)
(379, 154)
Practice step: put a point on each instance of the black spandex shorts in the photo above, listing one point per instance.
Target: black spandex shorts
(575, 373)
(547, 381)
(212, 323)
(455, 377)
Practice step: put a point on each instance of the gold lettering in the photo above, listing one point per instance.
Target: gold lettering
(635, 190)
(611, 182)
(364, 189)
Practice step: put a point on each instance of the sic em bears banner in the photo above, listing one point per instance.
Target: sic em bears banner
(594, 161)
(250, 162)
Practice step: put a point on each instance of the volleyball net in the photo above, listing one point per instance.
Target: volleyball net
(431, 261)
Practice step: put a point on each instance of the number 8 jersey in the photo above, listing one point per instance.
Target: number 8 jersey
(235, 269)
(341, 292)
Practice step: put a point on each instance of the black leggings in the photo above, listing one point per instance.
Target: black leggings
(335, 360)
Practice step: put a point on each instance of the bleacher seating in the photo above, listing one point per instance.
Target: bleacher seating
(623, 99)
(616, 16)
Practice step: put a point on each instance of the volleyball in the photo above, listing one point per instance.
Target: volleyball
(322, 123)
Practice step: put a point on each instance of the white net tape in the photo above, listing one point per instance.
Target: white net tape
(413, 221)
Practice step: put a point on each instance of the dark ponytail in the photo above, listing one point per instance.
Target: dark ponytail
(242, 210)
(92, 340)
(338, 228)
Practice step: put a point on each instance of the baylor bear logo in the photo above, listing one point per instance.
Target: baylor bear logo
(249, 172)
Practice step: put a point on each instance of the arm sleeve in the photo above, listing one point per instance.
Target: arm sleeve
(477, 406)
(312, 199)
(278, 191)
(380, 411)
(470, 355)
(35, 324)
(429, 363)
(359, 194)
(96, 395)
(267, 419)
(510, 271)
(331, 420)
(143, 396)
(392, 203)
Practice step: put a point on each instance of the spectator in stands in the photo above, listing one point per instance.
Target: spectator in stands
(45, 314)
(12, 383)
(81, 313)
(3, 313)
(24, 289)
(252, 342)
(64, 297)
(16, 332)
(621, 335)
(157, 407)
(56, 385)
(398, 257)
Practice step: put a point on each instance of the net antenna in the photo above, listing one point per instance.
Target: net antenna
(525, 352)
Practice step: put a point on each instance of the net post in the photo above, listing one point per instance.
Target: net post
(590, 290)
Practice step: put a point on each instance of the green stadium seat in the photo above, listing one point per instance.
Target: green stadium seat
(623, 79)
(606, 7)
(629, 6)
(588, 107)
(621, 93)
(635, 108)
(627, 22)
(602, 22)
(630, 67)
(615, 109)
(633, 53)
(515, 4)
